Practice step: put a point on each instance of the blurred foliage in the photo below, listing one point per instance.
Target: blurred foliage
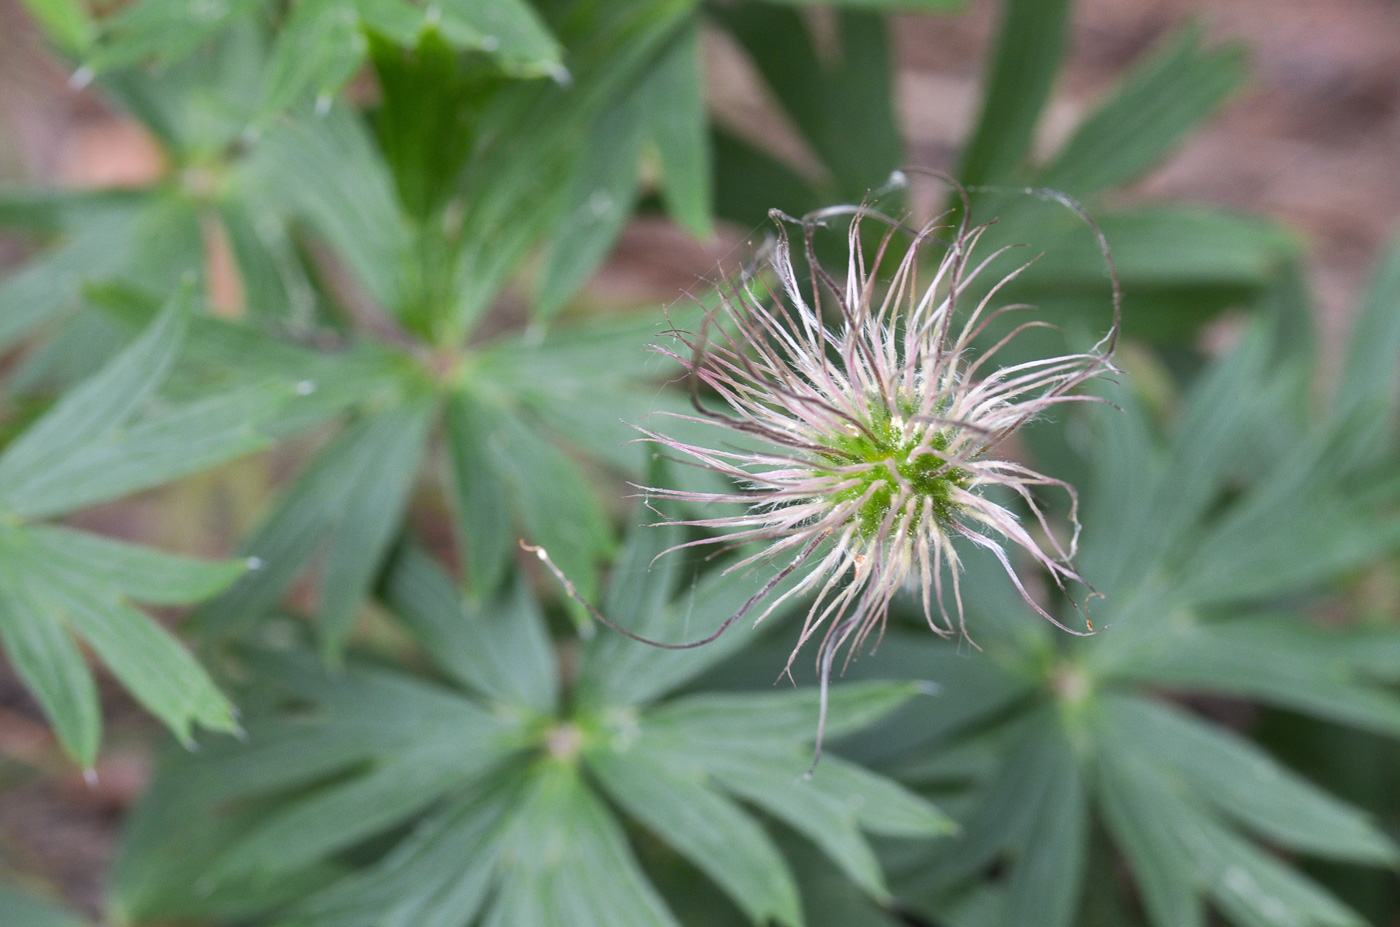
(414, 197)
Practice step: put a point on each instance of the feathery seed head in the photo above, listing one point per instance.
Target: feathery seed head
(880, 428)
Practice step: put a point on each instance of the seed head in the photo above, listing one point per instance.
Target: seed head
(879, 429)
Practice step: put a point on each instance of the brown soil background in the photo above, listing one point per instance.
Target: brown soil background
(1314, 141)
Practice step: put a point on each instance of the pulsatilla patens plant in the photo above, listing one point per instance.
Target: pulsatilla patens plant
(410, 260)
(511, 778)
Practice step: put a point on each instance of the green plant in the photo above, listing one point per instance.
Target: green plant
(418, 744)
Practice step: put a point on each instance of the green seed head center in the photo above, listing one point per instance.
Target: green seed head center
(904, 473)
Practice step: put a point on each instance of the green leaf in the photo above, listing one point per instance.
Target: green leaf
(498, 647)
(349, 503)
(481, 515)
(1164, 99)
(508, 30)
(342, 815)
(421, 740)
(426, 125)
(565, 860)
(66, 22)
(1006, 811)
(677, 124)
(1242, 781)
(50, 665)
(168, 29)
(147, 659)
(936, 6)
(438, 877)
(881, 805)
(318, 49)
(747, 720)
(706, 828)
(328, 171)
(557, 505)
(618, 671)
(600, 198)
(97, 407)
(1255, 550)
(1161, 248)
(49, 284)
(1143, 818)
(156, 449)
(21, 909)
(843, 106)
(370, 513)
(1049, 872)
(1276, 660)
(859, 136)
(1022, 74)
(1368, 376)
(139, 573)
(749, 182)
(529, 172)
(829, 822)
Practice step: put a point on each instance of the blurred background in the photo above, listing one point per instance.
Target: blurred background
(1313, 141)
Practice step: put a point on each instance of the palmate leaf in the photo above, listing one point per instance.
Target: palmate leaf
(348, 507)
(513, 792)
(1185, 554)
(95, 444)
(322, 43)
